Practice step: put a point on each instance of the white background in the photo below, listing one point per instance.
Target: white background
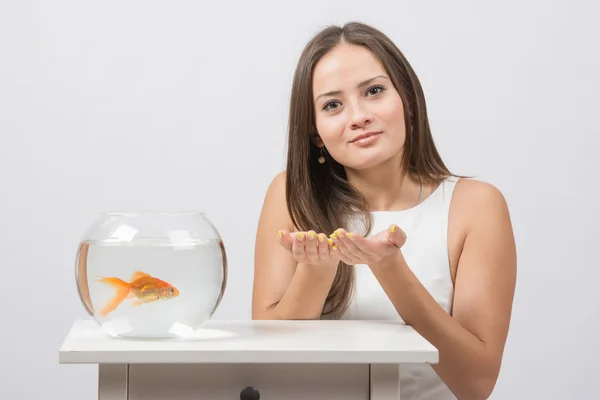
(183, 105)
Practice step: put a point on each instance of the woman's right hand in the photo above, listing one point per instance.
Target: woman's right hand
(309, 248)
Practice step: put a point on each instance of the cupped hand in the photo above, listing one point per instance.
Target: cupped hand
(309, 247)
(378, 250)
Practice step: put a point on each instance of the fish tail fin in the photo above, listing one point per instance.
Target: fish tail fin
(122, 291)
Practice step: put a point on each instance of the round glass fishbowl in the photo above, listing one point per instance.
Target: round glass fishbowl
(151, 274)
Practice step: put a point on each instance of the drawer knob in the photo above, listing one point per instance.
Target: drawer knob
(249, 393)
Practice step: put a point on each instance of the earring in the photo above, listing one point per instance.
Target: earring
(322, 156)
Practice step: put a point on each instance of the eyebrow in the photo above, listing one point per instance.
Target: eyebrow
(363, 83)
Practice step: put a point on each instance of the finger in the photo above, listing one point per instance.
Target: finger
(339, 255)
(334, 252)
(341, 248)
(396, 236)
(298, 246)
(363, 244)
(310, 247)
(349, 240)
(323, 246)
(285, 239)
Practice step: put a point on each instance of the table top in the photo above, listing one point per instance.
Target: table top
(257, 341)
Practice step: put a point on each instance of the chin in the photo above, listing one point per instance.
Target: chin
(373, 160)
(365, 164)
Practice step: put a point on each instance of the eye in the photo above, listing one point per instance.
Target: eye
(375, 89)
(326, 106)
(171, 290)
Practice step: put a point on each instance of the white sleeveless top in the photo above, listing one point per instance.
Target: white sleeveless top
(426, 253)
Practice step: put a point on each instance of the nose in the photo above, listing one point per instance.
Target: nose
(360, 117)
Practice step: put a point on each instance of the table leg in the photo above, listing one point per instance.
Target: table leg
(113, 381)
(385, 382)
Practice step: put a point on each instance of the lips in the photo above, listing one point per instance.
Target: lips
(364, 136)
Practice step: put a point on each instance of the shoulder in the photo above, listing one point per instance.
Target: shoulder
(478, 208)
(482, 212)
(278, 181)
(276, 188)
(275, 204)
(476, 197)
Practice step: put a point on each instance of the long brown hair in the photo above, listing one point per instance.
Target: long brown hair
(319, 196)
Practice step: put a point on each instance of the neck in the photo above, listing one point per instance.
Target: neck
(386, 187)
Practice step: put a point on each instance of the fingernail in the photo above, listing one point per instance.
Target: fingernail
(300, 236)
(349, 236)
(393, 228)
(334, 247)
(321, 237)
(279, 234)
(333, 235)
(330, 241)
(311, 235)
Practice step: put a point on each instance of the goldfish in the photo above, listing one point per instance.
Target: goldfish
(143, 288)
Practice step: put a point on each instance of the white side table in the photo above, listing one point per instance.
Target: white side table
(292, 360)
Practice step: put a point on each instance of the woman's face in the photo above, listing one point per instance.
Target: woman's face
(354, 96)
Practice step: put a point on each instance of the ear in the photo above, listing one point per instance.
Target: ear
(316, 140)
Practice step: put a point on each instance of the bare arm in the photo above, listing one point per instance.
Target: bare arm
(471, 342)
(299, 290)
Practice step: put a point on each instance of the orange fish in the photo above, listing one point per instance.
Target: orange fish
(143, 287)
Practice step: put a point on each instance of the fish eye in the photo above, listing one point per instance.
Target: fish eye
(171, 290)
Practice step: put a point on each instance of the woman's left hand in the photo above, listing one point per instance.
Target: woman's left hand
(378, 250)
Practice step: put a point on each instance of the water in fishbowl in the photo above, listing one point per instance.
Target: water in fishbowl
(151, 288)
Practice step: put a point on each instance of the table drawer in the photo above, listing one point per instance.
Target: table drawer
(226, 381)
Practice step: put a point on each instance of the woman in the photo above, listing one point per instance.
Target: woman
(366, 222)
